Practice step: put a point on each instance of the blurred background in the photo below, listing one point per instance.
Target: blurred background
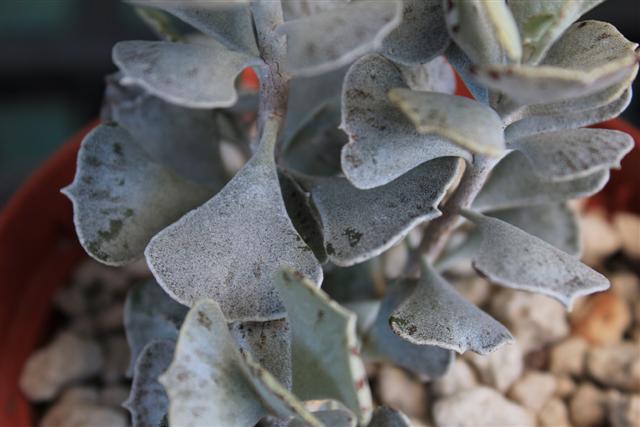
(55, 54)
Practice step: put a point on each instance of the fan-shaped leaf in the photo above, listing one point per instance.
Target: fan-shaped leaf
(329, 412)
(186, 140)
(335, 37)
(572, 154)
(484, 30)
(513, 258)
(589, 57)
(361, 224)
(421, 36)
(191, 75)
(230, 247)
(324, 347)
(541, 23)
(230, 22)
(382, 344)
(388, 417)
(462, 121)
(547, 120)
(209, 379)
(436, 314)
(121, 197)
(150, 314)
(148, 402)
(514, 183)
(383, 143)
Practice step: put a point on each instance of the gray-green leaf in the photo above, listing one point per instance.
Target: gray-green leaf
(121, 197)
(460, 120)
(229, 248)
(513, 258)
(190, 75)
(421, 36)
(383, 143)
(329, 412)
(335, 37)
(436, 314)
(384, 416)
(324, 347)
(361, 224)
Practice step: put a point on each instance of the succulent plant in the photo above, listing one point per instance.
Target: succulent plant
(354, 143)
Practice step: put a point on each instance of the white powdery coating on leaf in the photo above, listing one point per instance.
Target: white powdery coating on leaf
(361, 224)
(148, 402)
(121, 198)
(514, 183)
(572, 154)
(513, 258)
(324, 347)
(335, 37)
(229, 248)
(589, 57)
(421, 36)
(436, 314)
(190, 75)
(383, 143)
(460, 120)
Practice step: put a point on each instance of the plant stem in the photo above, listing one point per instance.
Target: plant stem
(438, 231)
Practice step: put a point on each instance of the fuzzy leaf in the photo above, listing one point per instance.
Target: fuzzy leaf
(434, 76)
(572, 154)
(463, 66)
(462, 121)
(269, 344)
(209, 379)
(230, 247)
(436, 314)
(148, 402)
(324, 346)
(541, 23)
(186, 140)
(384, 416)
(380, 343)
(335, 37)
(294, 9)
(121, 197)
(513, 258)
(230, 22)
(484, 30)
(361, 224)
(514, 183)
(329, 412)
(190, 75)
(383, 143)
(546, 120)
(589, 57)
(150, 314)
(556, 224)
(421, 36)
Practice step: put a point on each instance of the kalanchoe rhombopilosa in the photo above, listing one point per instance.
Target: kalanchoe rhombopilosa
(354, 139)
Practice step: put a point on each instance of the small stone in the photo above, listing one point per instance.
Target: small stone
(114, 395)
(116, 359)
(499, 369)
(565, 387)
(626, 286)
(480, 406)
(399, 391)
(533, 390)
(554, 414)
(66, 359)
(111, 318)
(602, 319)
(535, 320)
(616, 366)
(78, 394)
(568, 357)
(91, 272)
(475, 289)
(599, 238)
(587, 406)
(394, 260)
(623, 410)
(628, 227)
(459, 377)
(83, 414)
